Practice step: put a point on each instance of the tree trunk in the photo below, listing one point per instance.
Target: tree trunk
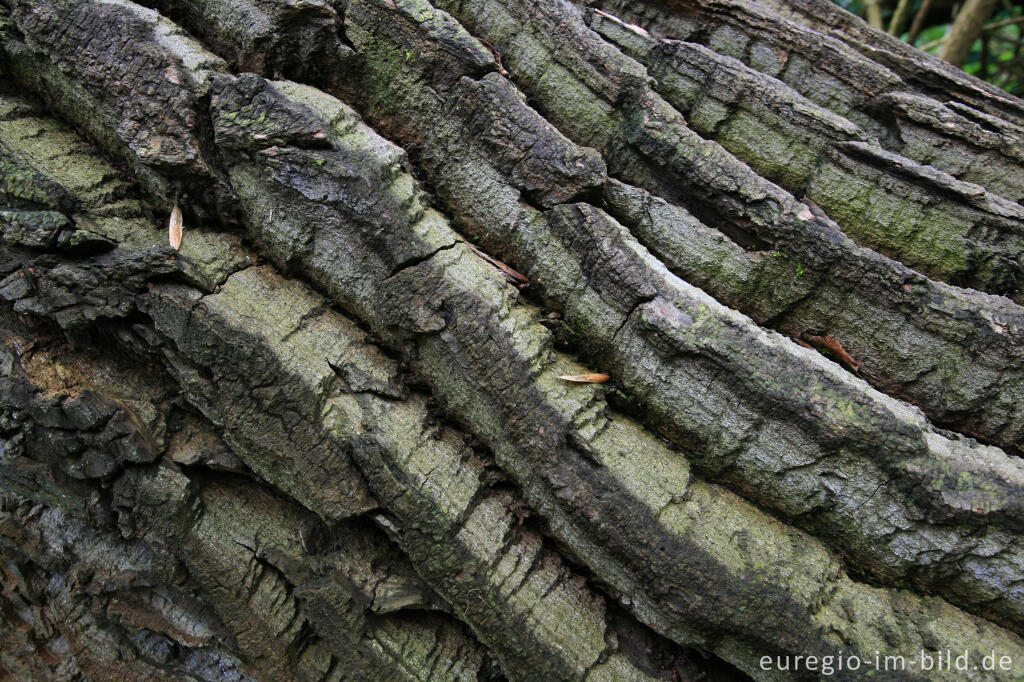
(900, 17)
(873, 10)
(918, 25)
(357, 426)
(966, 29)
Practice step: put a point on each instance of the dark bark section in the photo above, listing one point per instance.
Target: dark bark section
(360, 461)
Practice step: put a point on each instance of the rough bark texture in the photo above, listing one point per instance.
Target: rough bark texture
(330, 438)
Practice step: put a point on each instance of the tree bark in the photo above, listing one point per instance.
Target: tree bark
(331, 437)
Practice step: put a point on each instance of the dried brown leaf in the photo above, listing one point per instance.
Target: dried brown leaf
(510, 274)
(592, 378)
(832, 344)
(174, 228)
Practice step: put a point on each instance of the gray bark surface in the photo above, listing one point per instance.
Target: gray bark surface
(330, 438)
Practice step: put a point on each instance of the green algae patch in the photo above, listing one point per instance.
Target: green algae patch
(926, 237)
(780, 155)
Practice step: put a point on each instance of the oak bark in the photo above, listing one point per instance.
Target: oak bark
(331, 438)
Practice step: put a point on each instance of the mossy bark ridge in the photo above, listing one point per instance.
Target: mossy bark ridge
(330, 437)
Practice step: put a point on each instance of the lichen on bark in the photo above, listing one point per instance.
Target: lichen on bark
(331, 438)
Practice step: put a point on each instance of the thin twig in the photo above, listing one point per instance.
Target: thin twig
(995, 25)
(988, 27)
(900, 17)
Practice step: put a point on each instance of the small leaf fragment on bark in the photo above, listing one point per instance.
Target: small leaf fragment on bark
(815, 211)
(174, 228)
(592, 378)
(831, 344)
(494, 53)
(510, 274)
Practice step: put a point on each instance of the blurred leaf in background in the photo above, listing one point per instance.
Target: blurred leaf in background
(984, 37)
